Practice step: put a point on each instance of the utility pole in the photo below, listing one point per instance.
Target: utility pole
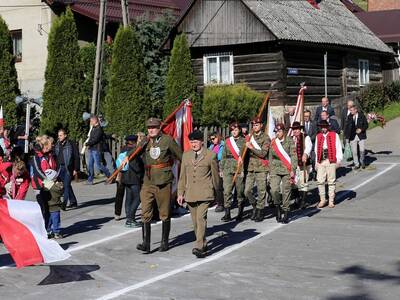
(125, 12)
(99, 50)
(326, 73)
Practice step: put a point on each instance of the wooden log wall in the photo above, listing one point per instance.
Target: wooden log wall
(309, 66)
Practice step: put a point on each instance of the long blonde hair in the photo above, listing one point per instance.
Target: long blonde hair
(44, 140)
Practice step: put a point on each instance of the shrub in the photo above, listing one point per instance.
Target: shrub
(223, 104)
(376, 96)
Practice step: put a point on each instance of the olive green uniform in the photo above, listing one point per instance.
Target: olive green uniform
(229, 167)
(158, 157)
(257, 171)
(279, 173)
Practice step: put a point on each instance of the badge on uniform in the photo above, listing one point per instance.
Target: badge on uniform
(155, 152)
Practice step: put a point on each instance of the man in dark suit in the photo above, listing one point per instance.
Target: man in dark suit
(356, 133)
(333, 123)
(325, 106)
(346, 113)
(311, 130)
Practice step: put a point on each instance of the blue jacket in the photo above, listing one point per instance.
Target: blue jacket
(70, 153)
(220, 151)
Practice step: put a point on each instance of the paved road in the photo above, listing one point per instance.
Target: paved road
(350, 252)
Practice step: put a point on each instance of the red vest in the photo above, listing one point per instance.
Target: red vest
(331, 142)
(299, 149)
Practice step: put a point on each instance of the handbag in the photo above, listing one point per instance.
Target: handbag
(347, 155)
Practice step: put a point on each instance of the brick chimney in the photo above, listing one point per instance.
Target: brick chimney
(374, 5)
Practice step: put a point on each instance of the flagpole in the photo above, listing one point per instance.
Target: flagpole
(139, 148)
(262, 108)
(302, 85)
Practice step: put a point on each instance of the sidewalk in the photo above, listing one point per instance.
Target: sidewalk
(385, 141)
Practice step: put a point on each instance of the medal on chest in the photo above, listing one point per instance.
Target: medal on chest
(155, 151)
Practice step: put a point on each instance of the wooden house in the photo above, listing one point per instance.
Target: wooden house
(261, 42)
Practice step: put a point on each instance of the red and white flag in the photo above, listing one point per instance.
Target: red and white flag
(299, 106)
(24, 235)
(179, 125)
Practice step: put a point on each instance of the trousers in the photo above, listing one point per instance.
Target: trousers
(326, 172)
(161, 195)
(198, 212)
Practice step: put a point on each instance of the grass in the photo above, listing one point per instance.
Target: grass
(362, 3)
(390, 112)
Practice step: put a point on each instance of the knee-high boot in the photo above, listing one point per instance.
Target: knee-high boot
(146, 233)
(166, 228)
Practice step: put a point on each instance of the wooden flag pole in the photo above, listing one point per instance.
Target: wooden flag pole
(302, 85)
(262, 108)
(139, 148)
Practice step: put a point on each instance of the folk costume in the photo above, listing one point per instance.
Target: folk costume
(328, 151)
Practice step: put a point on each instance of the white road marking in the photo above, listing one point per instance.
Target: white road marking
(190, 266)
(223, 253)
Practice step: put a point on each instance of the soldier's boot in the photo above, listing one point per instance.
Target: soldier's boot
(166, 228)
(239, 217)
(146, 233)
(227, 216)
(278, 213)
(303, 200)
(260, 215)
(285, 217)
(254, 213)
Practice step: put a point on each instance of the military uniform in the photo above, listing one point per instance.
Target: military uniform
(229, 166)
(257, 171)
(198, 180)
(279, 173)
(158, 156)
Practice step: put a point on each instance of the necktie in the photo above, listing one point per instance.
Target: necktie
(195, 155)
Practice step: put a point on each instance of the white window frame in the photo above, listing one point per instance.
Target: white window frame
(14, 34)
(206, 57)
(363, 72)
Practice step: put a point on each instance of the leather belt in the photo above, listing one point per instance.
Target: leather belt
(158, 166)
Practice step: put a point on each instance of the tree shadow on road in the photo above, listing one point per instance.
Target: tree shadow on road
(85, 226)
(96, 202)
(69, 273)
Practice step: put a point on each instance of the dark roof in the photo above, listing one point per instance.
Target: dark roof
(354, 8)
(151, 9)
(385, 24)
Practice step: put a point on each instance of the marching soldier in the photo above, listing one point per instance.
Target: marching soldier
(303, 146)
(159, 152)
(328, 151)
(197, 182)
(257, 169)
(283, 162)
(229, 162)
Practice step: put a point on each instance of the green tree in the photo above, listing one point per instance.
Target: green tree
(8, 75)
(127, 103)
(151, 36)
(181, 81)
(63, 100)
(223, 104)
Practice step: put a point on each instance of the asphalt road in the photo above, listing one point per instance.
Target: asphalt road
(349, 252)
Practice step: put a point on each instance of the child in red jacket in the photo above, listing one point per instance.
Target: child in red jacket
(20, 181)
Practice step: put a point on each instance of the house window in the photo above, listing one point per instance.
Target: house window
(16, 36)
(363, 71)
(218, 68)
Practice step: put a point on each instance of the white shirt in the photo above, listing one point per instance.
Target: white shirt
(355, 118)
(339, 151)
(307, 145)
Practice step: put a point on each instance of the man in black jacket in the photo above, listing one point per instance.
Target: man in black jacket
(68, 161)
(95, 145)
(356, 133)
(325, 106)
(333, 123)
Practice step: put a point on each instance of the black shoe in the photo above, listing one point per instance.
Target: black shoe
(285, 218)
(146, 232)
(199, 253)
(73, 205)
(63, 207)
(239, 217)
(253, 214)
(278, 214)
(260, 215)
(363, 166)
(166, 228)
(219, 208)
(227, 216)
(356, 167)
(303, 201)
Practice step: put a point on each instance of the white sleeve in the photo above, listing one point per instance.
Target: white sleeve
(316, 147)
(308, 146)
(339, 151)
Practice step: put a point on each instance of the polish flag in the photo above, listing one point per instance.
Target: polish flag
(23, 233)
(299, 107)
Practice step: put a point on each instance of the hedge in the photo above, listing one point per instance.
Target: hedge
(375, 97)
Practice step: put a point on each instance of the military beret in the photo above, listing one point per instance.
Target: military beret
(131, 138)
(196, 135)
(323, 123)
(153, 122)
(296, 125)
(279, 126)
(256, 120)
